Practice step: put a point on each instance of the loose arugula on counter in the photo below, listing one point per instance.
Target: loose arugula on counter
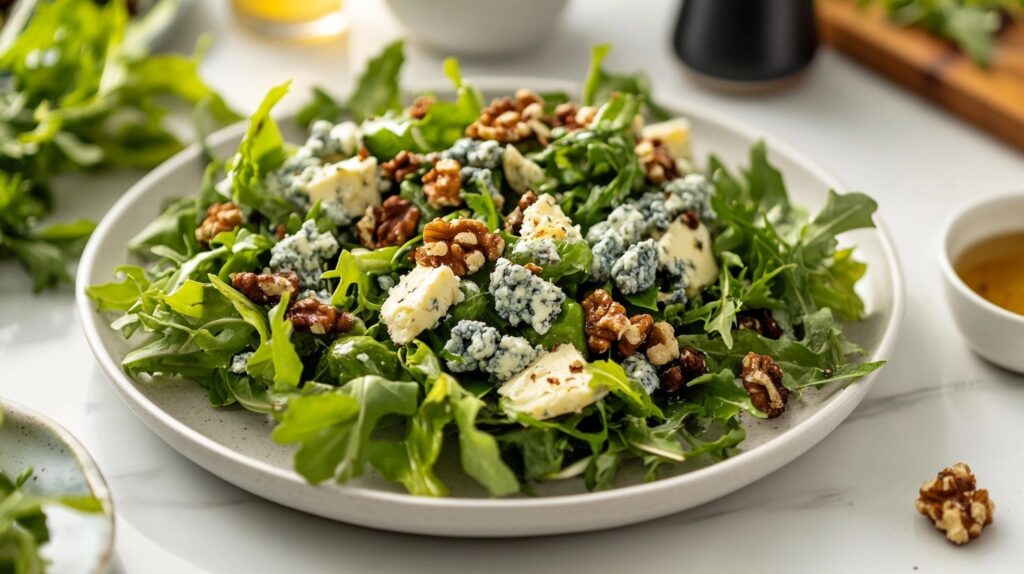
(81, 92)
(493, 347)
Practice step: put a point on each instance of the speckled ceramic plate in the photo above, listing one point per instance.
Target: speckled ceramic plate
(79, 542)
(236, 445)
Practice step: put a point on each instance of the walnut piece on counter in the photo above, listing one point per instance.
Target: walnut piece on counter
(658, 164)
(464, 245)
(266, 288)
(762, 379)
(604, 320)
(688, 366)
(443, 182)
(313, 315)
(220, 217)
(401, 166)
(393, 223)
(510, 120)
(955, 504)
(760, 321)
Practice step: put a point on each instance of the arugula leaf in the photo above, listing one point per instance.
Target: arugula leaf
(261, 152)
(601, 84)
(276, 359)
(609, 375)
(376, 92)
(568, 328)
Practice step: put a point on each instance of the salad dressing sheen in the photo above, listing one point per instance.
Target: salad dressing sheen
(994, 269)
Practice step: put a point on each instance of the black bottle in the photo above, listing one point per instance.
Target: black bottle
(746, 43)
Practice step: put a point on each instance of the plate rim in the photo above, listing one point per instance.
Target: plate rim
(91, 323)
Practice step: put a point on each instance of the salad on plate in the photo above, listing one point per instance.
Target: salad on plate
(540, 287)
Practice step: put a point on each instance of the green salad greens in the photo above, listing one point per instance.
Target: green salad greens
(23, 528)
(549, 289)
(80, 92)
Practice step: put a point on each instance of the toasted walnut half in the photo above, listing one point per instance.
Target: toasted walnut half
(635, 334)
(514, 220)
(465, 245)
(220, 217)
(401, 166)
(393, 223)
(955, 504)
(762, 379)
(443, 182)
(421, 106)
(688, 366)
(317, 317)
(604, 320)
(266, 288)
(658, 165)
(570, 117)
(759, 321)
(661, 346)
(511, 119)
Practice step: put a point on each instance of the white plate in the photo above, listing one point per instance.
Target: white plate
(79, 542)
(236, 446)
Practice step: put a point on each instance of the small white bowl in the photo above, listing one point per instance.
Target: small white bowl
(478, 27)
(991, 331)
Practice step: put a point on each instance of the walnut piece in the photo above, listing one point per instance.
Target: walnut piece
(662, 346)
(688, 366)
(421, 106)
(759, 321)
(514, 220)
(442, 183)
(220, 217)
(658, 165)
(604, 320)
(635, 334)
(511, 119)
(393, 223)
(762, 379)
(266, 288)
(464, 245)
(313, 315)
(567, 115)
(954, 503)
(401, 166)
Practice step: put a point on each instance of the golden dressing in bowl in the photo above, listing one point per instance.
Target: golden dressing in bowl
(994, 269)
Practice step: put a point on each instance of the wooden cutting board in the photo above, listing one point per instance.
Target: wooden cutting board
(992, 98)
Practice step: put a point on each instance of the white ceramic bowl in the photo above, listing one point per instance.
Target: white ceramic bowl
(478, 27)
(236, 445)
(991, 331)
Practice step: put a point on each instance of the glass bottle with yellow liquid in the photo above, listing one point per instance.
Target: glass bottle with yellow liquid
(293, 19)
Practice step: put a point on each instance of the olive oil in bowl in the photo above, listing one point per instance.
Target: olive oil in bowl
(994, 269)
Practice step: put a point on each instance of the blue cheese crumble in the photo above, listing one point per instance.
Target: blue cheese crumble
(543, 252)
(522, 297)
(478, 346)
(305, 252)
(512, 356)
(639, 369)
(239, 361)
(605, 253)
(637, 269)
(690, 192)
(475, 153)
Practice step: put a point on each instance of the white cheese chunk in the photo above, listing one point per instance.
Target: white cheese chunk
(545, 220)
(352, 182)
(521, 173)
(419, 301)
(673, 134)
(557, 383)
(693, 247)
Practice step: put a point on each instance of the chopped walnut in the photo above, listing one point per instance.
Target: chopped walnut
(393, 223)
(280, 231)
(511, 120)
(568, 116)
(604, 321)
(266, 288)
(658, 165)
(955, 504)
(759, 321)
(662, 346)
(762, 379)
(691, 219)
(534, 268)
(401, 166)
(442, 183)
(421, 106)
(514, 220)
(689, 365)
(464, 245)
(635, 334)
(220, 217)
(317, 317)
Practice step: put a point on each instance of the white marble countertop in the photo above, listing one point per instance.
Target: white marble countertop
(845, 506)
